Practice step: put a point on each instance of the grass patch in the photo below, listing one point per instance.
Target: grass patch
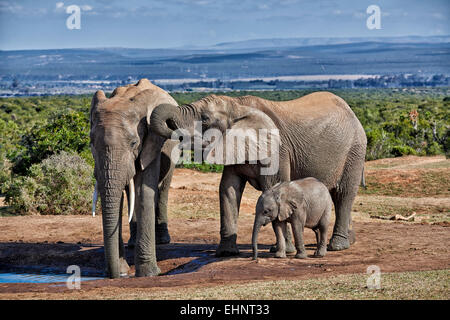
(428, 210)
(399, 286)
(408, 183)
(203, 167)
(193, 205)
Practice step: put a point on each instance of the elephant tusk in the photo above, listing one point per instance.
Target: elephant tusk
(131, 204)
(94, 199)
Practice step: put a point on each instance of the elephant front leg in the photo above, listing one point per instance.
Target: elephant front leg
(288, 242)
(162, 230)
(230, 190)
(280, 231)
(145, 249)
(298, 228)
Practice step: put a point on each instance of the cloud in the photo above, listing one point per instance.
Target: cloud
(7, 7)
(61, 8)
(86, 7)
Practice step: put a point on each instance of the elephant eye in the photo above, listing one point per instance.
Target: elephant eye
(133, 143)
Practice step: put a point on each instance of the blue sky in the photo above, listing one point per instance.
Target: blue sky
(28, 24)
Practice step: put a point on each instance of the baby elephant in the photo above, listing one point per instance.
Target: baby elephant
(303, 203)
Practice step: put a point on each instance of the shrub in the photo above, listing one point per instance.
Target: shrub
(60, 185)
(64, 132)
(379, 144)
(399, 151)
(5, 173)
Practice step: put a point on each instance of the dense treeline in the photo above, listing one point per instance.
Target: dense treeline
(56, 128)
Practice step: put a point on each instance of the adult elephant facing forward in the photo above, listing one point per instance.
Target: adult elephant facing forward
(129, 157)
(320, 137)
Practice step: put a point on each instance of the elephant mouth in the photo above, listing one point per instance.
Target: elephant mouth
(130, 196)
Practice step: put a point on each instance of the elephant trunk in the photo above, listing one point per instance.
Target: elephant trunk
(256, 227)
(166, 118)
(111, 202)
(163, 119)
(111, 182)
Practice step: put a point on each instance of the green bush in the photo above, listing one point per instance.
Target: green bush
(5, 174)
(60, 185)
(203, 167)
(64, 132)
(399, 151)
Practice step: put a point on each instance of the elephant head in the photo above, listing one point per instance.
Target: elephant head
(219, 115)
(120, 141)
(279, 202)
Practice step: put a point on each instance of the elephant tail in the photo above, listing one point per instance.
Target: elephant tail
(363, 180)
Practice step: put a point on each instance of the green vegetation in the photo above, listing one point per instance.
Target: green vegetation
(60, 184)
(397, 122)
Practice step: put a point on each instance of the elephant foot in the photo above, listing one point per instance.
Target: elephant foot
(289, 248)
(123, 267)
(301, 255)
(162, 235)
(227, 248)
(352, 236)
(147, 270)
(338, 242)
(320, 253)
(280, 254)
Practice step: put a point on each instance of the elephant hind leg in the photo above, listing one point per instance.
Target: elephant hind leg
(321, 234)
(343, 197)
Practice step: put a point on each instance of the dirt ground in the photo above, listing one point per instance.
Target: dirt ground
(189, 261)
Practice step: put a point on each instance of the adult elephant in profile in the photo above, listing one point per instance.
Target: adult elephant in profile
(320, 137)
(129, 157)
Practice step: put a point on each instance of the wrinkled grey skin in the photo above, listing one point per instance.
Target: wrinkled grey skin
(302, 203)
(320, 137)
(123, 148)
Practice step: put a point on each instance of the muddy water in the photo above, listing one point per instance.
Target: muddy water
(11, 277)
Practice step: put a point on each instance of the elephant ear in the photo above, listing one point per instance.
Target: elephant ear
(150, 97)
(290, 200)
(252, 137)
(282, 197)
(151, 149)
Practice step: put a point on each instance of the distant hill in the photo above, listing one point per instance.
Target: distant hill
(244, 59)
(301, 42)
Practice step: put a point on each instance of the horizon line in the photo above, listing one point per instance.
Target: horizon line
(206, 47)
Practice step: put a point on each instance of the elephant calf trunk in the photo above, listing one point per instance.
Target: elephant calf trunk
(256, 228)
